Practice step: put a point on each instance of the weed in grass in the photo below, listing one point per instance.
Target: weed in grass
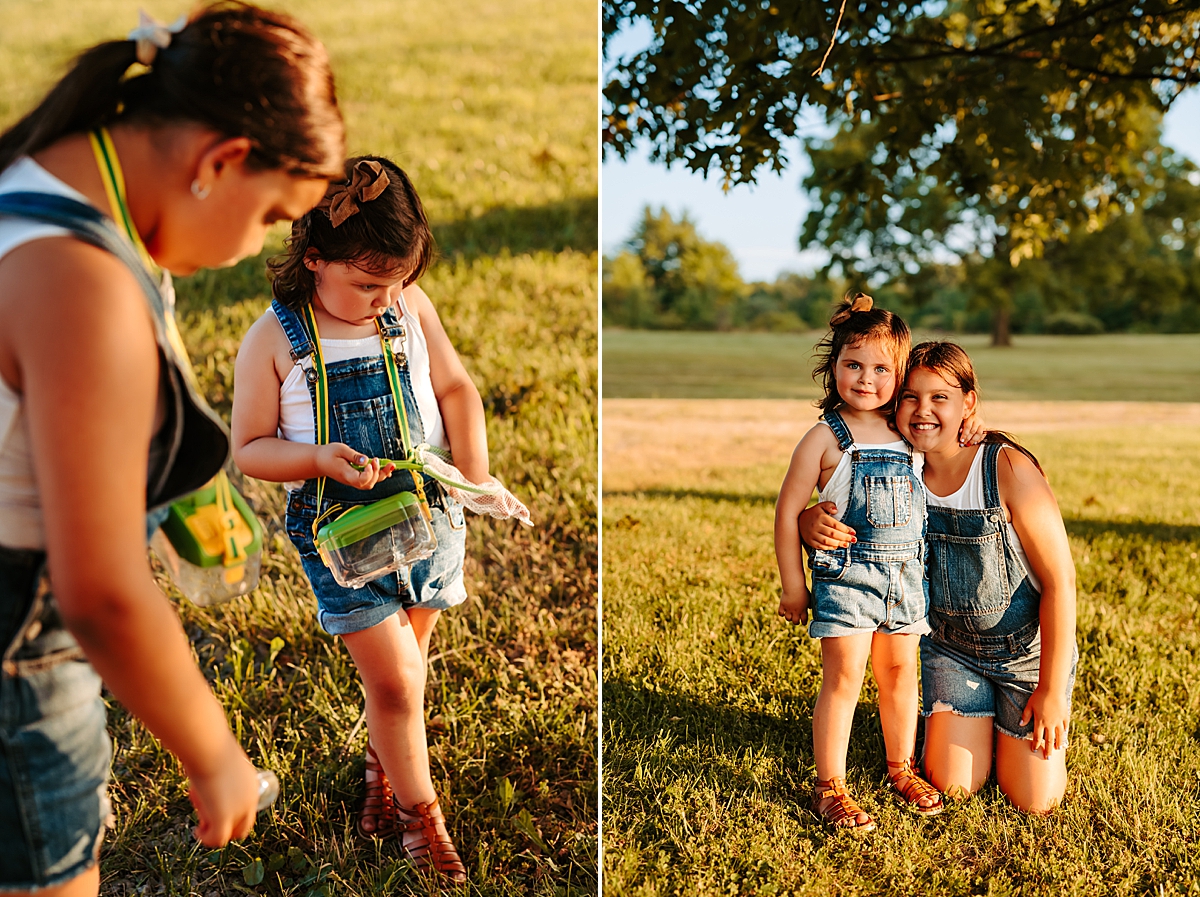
(708, 698)
(492, 111)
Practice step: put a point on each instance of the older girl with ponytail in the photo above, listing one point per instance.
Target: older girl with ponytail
(170, 151)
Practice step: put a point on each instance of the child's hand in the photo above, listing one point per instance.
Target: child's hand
(337, 461)
(1051, 719)
(973, 430)
(226, 800)
(793, 607)
(820, 529)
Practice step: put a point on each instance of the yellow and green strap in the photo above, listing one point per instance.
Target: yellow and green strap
(321, 385)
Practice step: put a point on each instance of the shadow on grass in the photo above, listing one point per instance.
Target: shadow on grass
(557, 226)
(650, 719)
(1159, 532)
(567, 224)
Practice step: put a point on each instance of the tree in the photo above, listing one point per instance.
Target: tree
(669, 276)
(1003, 125)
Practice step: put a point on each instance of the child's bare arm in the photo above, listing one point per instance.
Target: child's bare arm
(798, 485)
(1039, 525)
(458, 398)
(257, 449)
(91, 415)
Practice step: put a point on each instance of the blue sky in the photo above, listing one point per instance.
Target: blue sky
(760, 223)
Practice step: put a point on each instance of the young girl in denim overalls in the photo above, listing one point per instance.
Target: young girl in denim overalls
(347, 282)
(998, 666)
(870, 598)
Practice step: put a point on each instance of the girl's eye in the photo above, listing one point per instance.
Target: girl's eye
(880, 369)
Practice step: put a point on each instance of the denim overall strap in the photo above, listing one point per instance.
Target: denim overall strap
(302, 345)
(390, 325)
(991, 484)
(195, 441)
(840, 431)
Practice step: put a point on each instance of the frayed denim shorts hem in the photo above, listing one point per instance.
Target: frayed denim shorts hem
(819, 629)
(967, 686)
(435, 583)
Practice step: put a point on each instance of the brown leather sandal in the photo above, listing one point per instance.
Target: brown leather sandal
(430, 849)
(833, 803)
(918, 795)
(378, 804)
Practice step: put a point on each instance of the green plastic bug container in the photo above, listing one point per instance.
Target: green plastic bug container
(373, 540)
(211, 543)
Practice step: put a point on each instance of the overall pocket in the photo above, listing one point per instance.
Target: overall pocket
(889, 500)
(968, 578)
(369, 426)
(829, 565)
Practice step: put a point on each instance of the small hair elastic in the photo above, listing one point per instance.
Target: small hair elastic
(367, 181)
(862, 302)
(152, 35)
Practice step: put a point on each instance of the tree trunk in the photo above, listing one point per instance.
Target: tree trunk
(1001, 335)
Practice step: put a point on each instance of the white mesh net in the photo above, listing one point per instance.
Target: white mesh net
(491, 498)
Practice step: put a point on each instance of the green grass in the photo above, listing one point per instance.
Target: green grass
(708, 700)
(1113, 367)
(492, 109)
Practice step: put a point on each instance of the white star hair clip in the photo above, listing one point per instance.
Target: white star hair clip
(152, 35)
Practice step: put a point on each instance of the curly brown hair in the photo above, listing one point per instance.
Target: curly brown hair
(855, 321)
(388, 235)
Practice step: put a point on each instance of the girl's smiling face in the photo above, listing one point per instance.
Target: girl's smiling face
(931, 410)
(352, 294)
(866, 375)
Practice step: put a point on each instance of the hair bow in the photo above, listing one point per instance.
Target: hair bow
(152, 35)
(861, 302)
(368, 179)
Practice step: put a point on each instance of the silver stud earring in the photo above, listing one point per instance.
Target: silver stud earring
(198, 191)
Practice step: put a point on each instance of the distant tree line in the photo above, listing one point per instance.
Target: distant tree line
(1138, 273)
(998, 156)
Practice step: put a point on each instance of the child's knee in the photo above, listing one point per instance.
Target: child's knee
(400, 694)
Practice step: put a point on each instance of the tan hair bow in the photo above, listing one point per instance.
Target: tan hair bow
(862, 302)
(367, 180)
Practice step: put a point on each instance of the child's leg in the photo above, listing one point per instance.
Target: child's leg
(843, 662)
(423, 620)
(388, 657)
(958, 751)
(894, 664)
(86, 884)
(1032, 782)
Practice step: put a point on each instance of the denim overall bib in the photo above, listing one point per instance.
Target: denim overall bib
(877, 584)
(983, 654)
(362, 414)
(54, 749)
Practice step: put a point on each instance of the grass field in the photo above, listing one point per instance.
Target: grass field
(708, 694)
(1112, 367)
(492, 110)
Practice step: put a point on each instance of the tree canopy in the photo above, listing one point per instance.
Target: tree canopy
(985, 128)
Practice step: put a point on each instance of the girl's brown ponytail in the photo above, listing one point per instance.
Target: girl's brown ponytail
(235, 68)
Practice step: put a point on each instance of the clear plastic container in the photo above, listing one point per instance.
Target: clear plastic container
(211, 543)
(373, 540)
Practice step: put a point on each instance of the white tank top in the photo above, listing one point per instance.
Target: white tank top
(969, 497)
(296, 422)
(20, 507)
(837, 487)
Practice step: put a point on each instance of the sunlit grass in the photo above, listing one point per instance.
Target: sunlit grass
(708, 698)
(491, 108)
(1154, 367)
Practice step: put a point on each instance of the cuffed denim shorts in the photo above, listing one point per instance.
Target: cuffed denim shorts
(54, 749)
(973, 686)
(857, 593)
(435, 583)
